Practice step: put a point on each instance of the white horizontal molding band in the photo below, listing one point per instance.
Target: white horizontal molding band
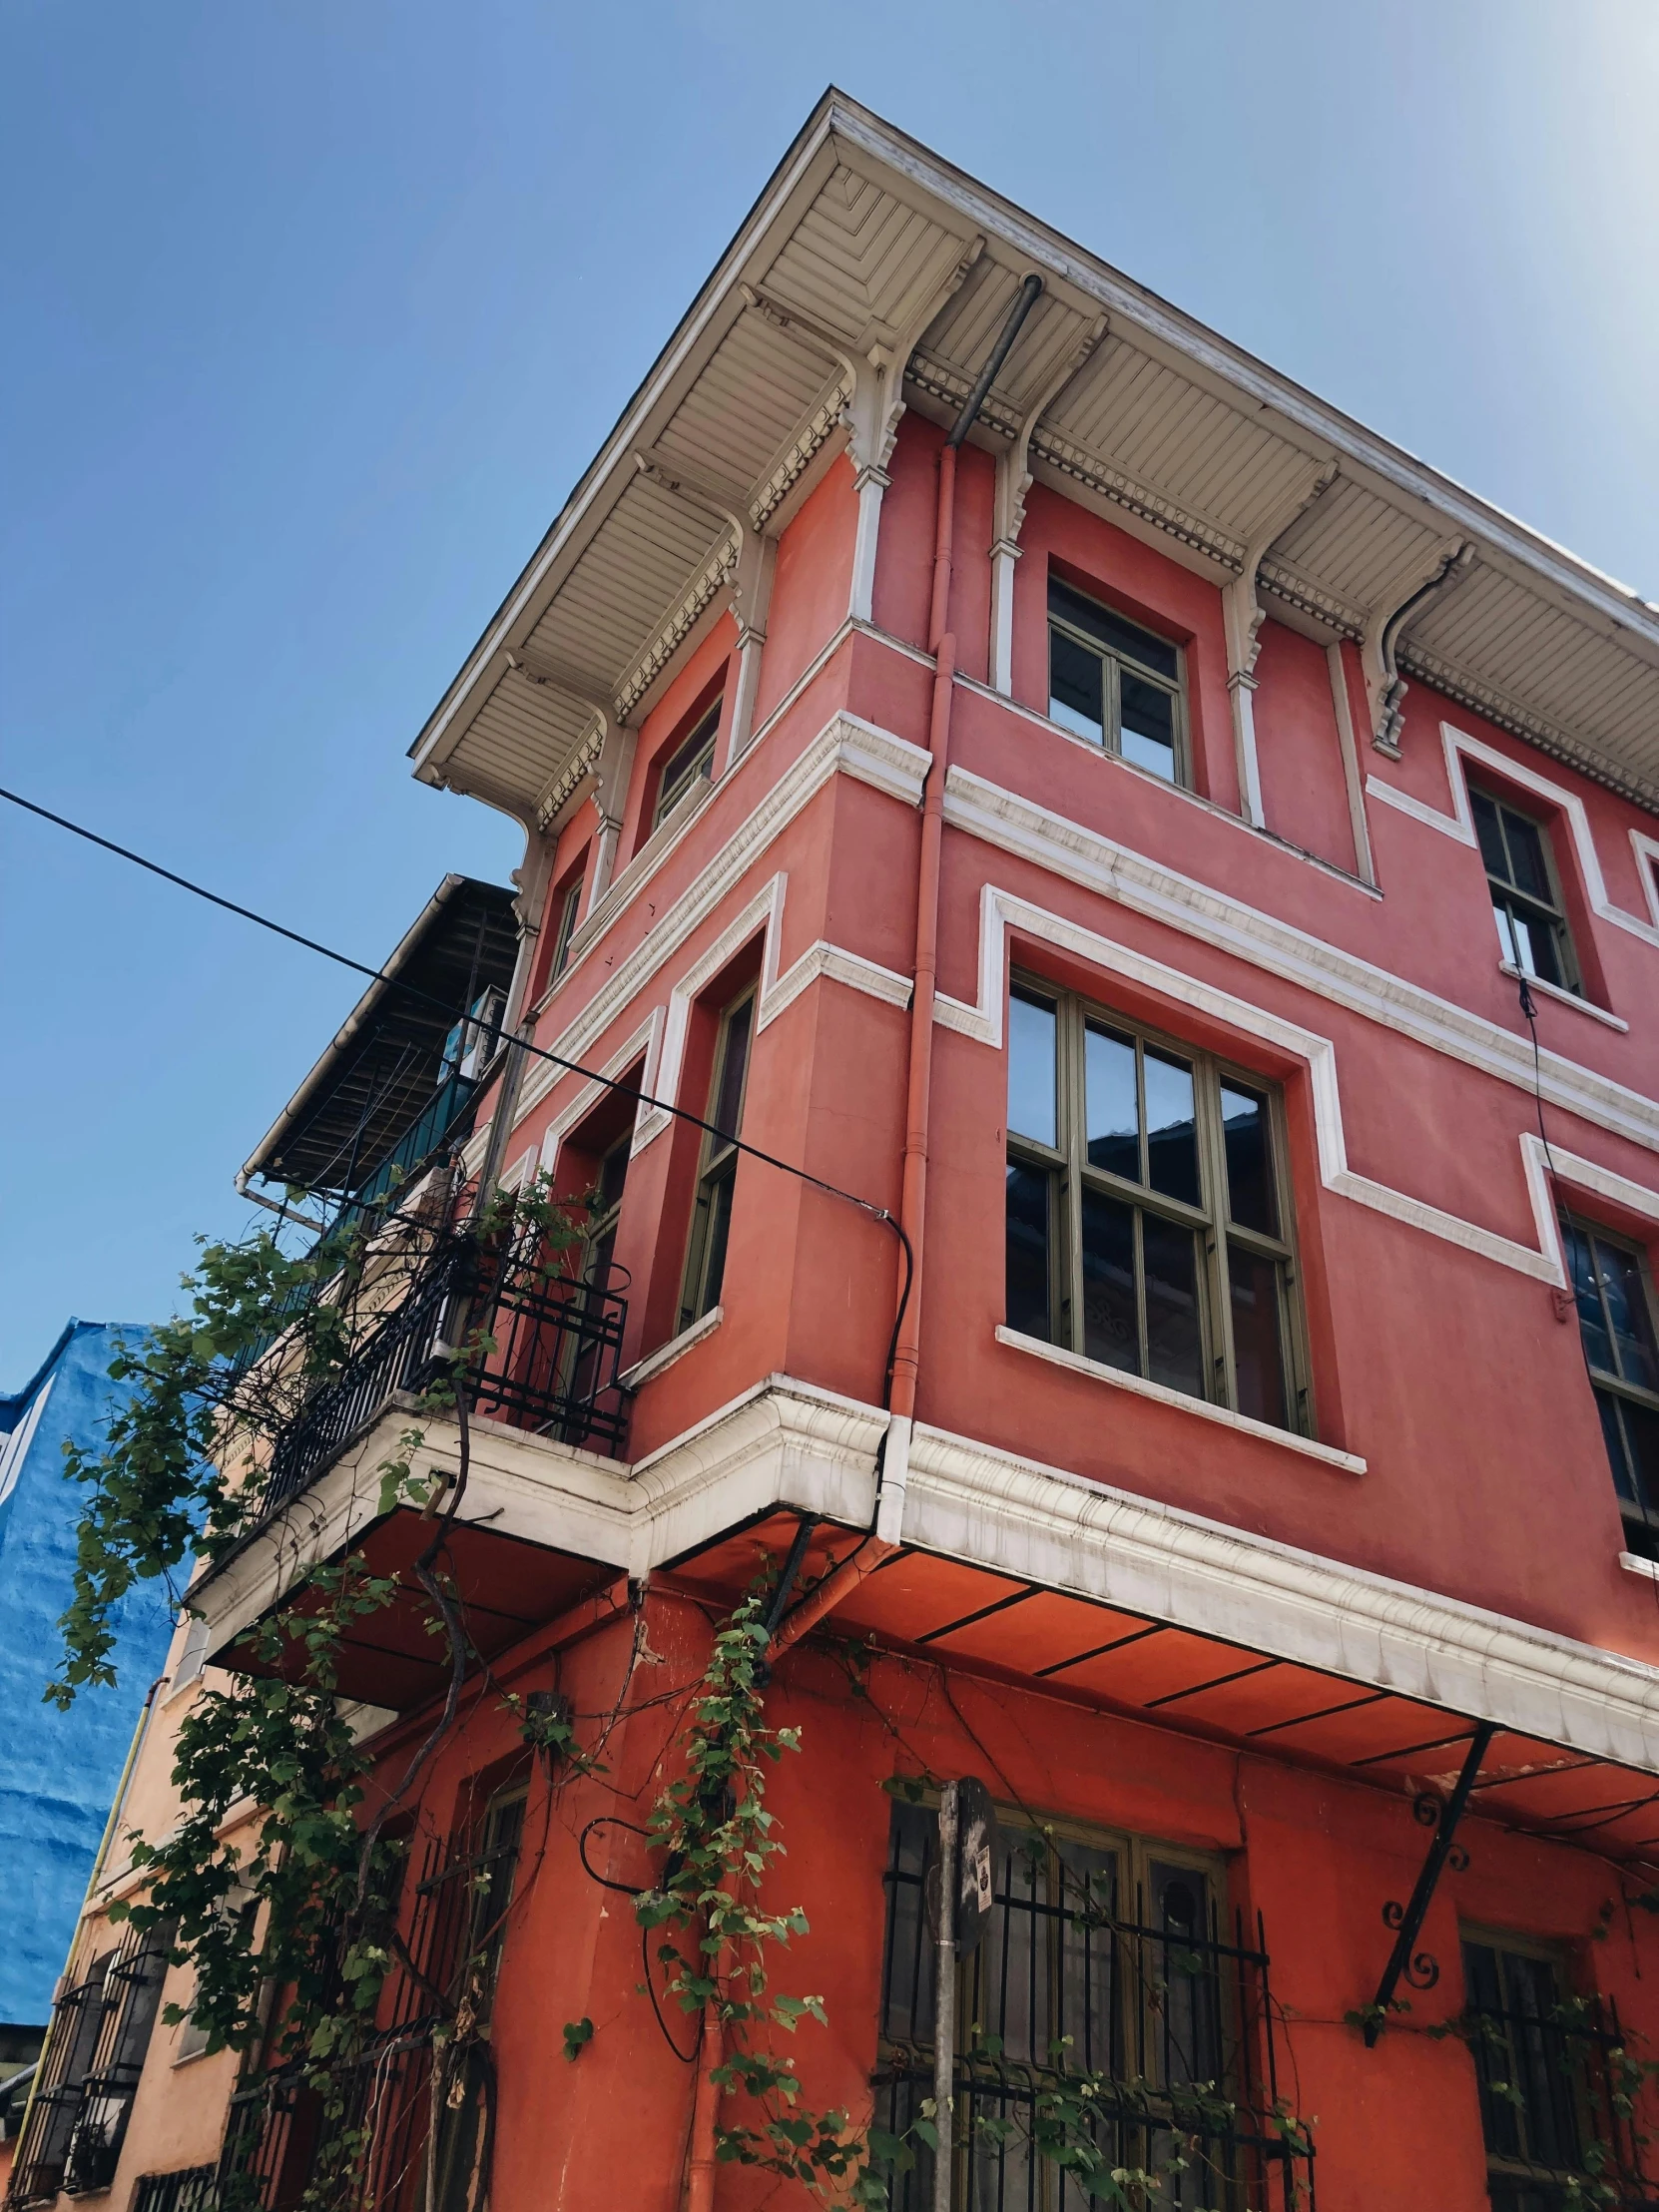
(1459, 824)
(1098, 863)
(845, 746)
(1000, 911)
(788, 1445)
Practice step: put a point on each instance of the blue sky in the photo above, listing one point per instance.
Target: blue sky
(314, 314)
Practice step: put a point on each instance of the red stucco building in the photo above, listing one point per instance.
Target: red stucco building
(1067, 813)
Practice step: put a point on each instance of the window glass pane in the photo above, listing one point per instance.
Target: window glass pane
(1171, 1135)
(1529, 870)
(907, 1983)
(1146, 726)
(1113, 631)
(1027, 1210)
(1491, 835)
(1014, 1992)
(1085, 1995)
(694, 759)
(1250, 1194)
(728, 1112)
(1189, 2012)
(720, 1225)
(1536, 945)
(1641, 1435)
(1258, 1354)
(1113, 1114)
(1075, 692)
(1168, 1256)
(1111, 1328)
(1581, 1260)
(1031, 1069)
(1612, 1435)
(1627, 1306)
(1507, 949)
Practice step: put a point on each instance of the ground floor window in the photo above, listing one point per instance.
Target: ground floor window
(1551, 2075)
(1106, 1957)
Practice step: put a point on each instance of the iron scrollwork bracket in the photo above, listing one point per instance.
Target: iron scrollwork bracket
(1420, 1970)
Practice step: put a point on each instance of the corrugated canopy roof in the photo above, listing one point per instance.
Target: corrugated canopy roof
(381, 1070)
(864, 241)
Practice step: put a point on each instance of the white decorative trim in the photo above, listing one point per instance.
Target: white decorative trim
(788, 1445)
(1459, 824)
(1182, 1402)
(845, 746)
(1539, 1165)
(850, 968)
(706, 587)
(1019, 826)
(642, 1046)
(1634, 1565)
(658, 1361)
(1580, 1006)
(1000, 911)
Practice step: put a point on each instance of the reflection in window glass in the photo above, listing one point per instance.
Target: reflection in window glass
(1174, 1343)
(1111, 1311)
(1111, 1103)
(1027, 1206)
(1616, 1329)
(1146, 726)
(1258, 1349)
(1076, 690)
(1250, 1195)
(1031, 1069)
(1171, 1131)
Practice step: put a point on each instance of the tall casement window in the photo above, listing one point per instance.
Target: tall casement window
(1617, 1321)
(1106, 1955)
(1549, 2066)
(1147, 1211)
(718, 1165)
(691, 761)
(1527, 900)
(1117, 684)
(564, 928)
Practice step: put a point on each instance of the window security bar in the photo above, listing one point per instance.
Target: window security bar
(190, 2189)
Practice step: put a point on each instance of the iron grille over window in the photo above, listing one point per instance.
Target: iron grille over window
(189, 2189)
(1532, 930)
(457, 1925)
(1554, 2095)
(99, 2031)
(1147, 1210)
(1116, 683)
(1103, 1956)
(1621, 1349)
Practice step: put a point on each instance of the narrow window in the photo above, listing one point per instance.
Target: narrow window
(717, 1174)
(1103, 1957)
(1114, 682)
(1526, 903)
(565, 930)
(1145, 1216)
(1615, 1304)
(692, 761)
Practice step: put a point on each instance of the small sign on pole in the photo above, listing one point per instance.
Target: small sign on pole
(975, 1859)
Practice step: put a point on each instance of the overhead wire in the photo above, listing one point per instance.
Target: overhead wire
(499, 1035)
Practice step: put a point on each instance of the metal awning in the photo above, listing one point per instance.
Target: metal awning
(385, 1065)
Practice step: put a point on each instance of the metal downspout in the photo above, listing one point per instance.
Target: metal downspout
(896, 1459)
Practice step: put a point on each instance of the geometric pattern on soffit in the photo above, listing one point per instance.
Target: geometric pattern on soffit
(1163, 425)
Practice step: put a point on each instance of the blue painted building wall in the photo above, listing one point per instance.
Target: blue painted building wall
(58, 1771)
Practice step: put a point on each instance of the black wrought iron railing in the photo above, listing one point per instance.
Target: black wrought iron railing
(187, 2190)
(554, 1369)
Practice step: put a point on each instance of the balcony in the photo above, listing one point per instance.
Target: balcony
(553, 1370)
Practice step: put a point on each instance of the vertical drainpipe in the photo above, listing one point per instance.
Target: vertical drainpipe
(920, 1084)
(700, 2176)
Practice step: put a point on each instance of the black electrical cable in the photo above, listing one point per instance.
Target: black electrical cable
(494, 1030)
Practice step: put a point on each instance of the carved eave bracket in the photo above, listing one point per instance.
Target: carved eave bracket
(1242, 615)
(1386, 630)
(1013, 482)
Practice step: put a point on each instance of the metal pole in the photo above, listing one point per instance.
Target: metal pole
(1411, 1919)
(945, 2000)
